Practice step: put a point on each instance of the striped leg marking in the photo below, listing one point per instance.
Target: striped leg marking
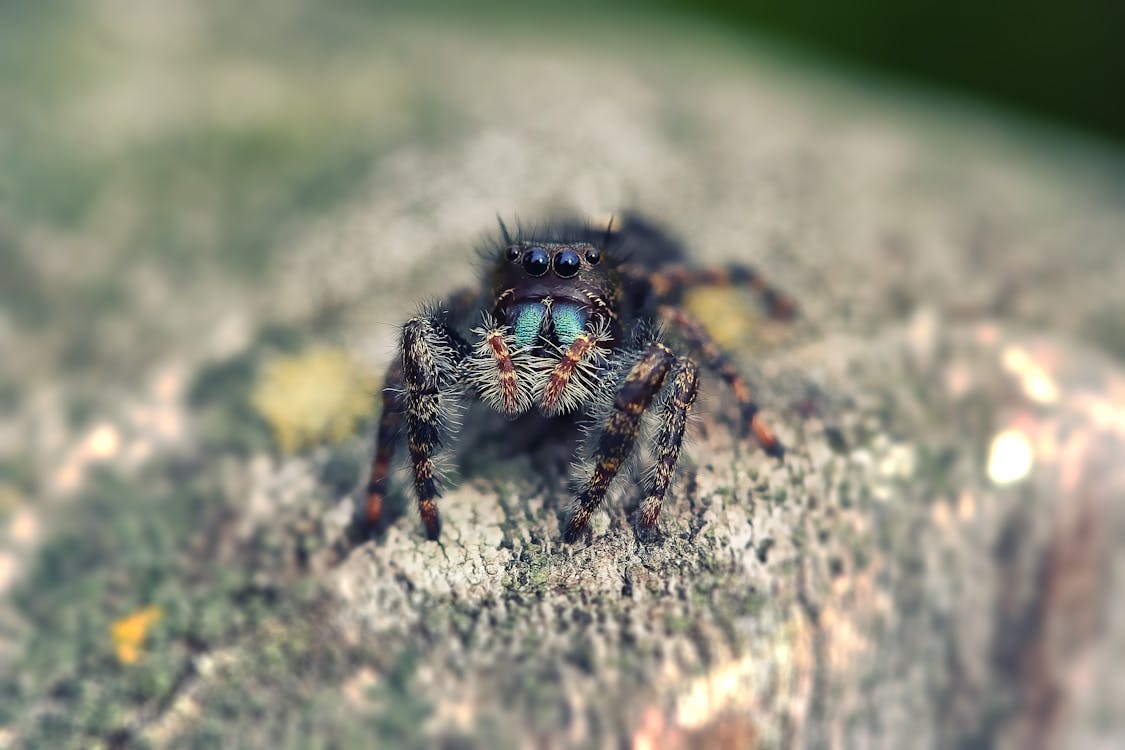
(390, 425)
(712, 356)
(673, 416)
(429, 353)
(671, 282)
(573, 378)
(619, 434)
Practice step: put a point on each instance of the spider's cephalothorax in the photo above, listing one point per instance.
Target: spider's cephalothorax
(570, 324)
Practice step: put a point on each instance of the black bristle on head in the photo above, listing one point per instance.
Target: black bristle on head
(608, 231)
(504, 230)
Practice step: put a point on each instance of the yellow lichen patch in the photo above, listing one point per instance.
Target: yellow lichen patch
(725, 312)
(316, 396)
(129, 632)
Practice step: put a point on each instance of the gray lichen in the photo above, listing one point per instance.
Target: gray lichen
(899, 580)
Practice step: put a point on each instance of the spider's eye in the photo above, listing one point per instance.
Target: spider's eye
(567, 263)
(512, 254)
(536, 261)
(593, 256)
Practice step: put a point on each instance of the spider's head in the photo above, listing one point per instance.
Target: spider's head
(551, 289)
(565, 269)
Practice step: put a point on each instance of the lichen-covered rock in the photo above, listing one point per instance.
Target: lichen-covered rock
(931, 565)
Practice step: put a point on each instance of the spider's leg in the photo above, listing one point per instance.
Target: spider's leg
(682, 323)
(390, 427)
(432, 354)
(394, 413)
(619, 432)
(670, 282)
(674, 409)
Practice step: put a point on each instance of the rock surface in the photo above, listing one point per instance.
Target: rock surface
(931, 565)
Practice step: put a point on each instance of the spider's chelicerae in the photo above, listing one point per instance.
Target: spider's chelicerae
(570, 322)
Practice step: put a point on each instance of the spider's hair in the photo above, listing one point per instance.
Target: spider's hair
(439, 357)
(599, 405)
(484, 374)
(560, 228)
(584, 382)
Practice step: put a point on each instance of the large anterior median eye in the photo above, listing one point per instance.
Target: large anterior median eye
(536, 261)
(567, 263)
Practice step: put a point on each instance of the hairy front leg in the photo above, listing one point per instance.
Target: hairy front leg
(618, 435)
(393, 414)
(675, 408)
(431, 352)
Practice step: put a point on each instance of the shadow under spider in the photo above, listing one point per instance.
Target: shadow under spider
(533, 454)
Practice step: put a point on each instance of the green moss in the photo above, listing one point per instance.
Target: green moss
(401, 710)
(223, 381)
(18, 473)
(933, 469)
(125, 547)
(49, 181)
(755, 604)
(244, 180)
(23, 293)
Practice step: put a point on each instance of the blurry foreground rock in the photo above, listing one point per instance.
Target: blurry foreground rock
(933, 564)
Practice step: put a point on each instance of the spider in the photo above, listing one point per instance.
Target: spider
(570, 322)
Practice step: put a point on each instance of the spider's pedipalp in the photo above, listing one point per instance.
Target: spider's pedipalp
(501, 372)
(572, 378)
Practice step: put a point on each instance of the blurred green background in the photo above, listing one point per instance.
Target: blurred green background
(1061, 61)
(75, 132)
(158, 164)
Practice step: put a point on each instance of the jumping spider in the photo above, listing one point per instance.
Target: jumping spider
(569, 322)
